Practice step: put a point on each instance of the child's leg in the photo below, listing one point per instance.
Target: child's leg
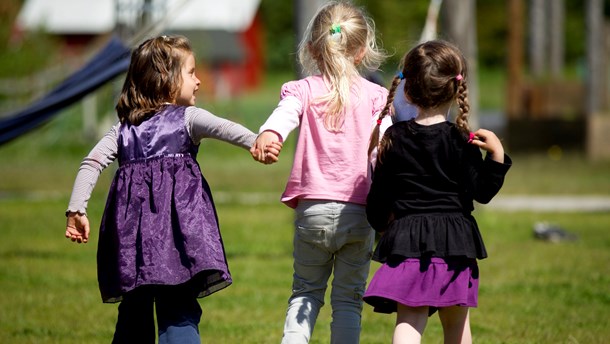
(351, 269)
(136, 323)
(456, 324)
(312, 268)
(410, 324)
(178, 315)
(308, 287)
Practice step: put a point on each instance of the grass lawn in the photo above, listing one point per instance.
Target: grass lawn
(531, 291)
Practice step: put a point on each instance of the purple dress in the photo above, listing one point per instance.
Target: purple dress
(159, 226)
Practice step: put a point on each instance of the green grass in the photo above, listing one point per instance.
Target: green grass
(531, 291)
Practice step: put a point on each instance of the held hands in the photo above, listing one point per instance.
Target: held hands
(77, 228)
(267, 148)
(489, 142)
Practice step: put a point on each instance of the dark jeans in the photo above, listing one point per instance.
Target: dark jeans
(178, 315)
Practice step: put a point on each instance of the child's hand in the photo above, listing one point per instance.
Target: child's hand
(272, 152)
(77, 228)
(489, 142)
(266, 148)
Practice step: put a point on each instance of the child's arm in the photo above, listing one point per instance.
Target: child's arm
(104, 153)
(379, 200)
(203, 124)
(485, 177)
(488, 141)
(284, 119)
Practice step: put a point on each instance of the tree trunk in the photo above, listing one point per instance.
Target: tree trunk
(556, 36)
(304, 10)
(595, 55)
(538, 34)
(459, 26)
(514, 102)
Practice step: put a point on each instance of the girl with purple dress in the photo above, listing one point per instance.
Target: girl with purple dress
(428, 173)
(159, 243)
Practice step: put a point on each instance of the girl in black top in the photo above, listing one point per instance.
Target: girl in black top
(428, 173)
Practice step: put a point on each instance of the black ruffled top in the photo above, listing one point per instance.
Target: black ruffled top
(423, 190)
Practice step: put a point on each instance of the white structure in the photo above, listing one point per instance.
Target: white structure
(100, 16)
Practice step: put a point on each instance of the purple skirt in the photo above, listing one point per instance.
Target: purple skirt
(160, 228)
(433, 282)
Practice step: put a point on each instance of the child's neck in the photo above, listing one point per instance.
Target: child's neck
(432, 115)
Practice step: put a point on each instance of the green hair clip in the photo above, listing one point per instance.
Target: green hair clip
(335, 32)
(335, 28)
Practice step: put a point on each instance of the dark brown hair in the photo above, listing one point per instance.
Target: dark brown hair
(154, 77)
(435, 73)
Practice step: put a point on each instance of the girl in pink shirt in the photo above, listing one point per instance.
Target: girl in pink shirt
(335, 109)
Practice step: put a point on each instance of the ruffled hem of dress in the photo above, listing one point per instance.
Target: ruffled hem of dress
(207, 282)
(431, 235)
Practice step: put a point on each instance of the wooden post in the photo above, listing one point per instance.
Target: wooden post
(598, 115)
(556, 35)
(595, 54)
(538, 34)
(514, 101)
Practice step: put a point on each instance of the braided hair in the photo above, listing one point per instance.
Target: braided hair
(435, 73)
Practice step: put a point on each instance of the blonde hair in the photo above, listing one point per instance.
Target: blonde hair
(154, 77)
(338, 39)
(435, 73)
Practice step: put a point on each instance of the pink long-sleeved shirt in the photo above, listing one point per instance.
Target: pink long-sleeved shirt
(328, 165)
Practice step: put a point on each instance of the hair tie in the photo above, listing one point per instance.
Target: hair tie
(400, 75)
(471, 137)
(379, 121)
(459, 77)
(335, 32)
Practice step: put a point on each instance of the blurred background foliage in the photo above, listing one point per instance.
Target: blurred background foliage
(399, 24)
(36, 52)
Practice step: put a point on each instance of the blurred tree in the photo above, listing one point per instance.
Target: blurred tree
(279, 34)
(21, 54)
(399, 25)
(557, 37)
(492, 32)
(459, 25)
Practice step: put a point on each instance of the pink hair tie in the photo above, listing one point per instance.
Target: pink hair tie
(470, 137)
(459, 77)
(379, 122)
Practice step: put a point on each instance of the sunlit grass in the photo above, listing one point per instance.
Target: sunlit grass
(531, 291)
